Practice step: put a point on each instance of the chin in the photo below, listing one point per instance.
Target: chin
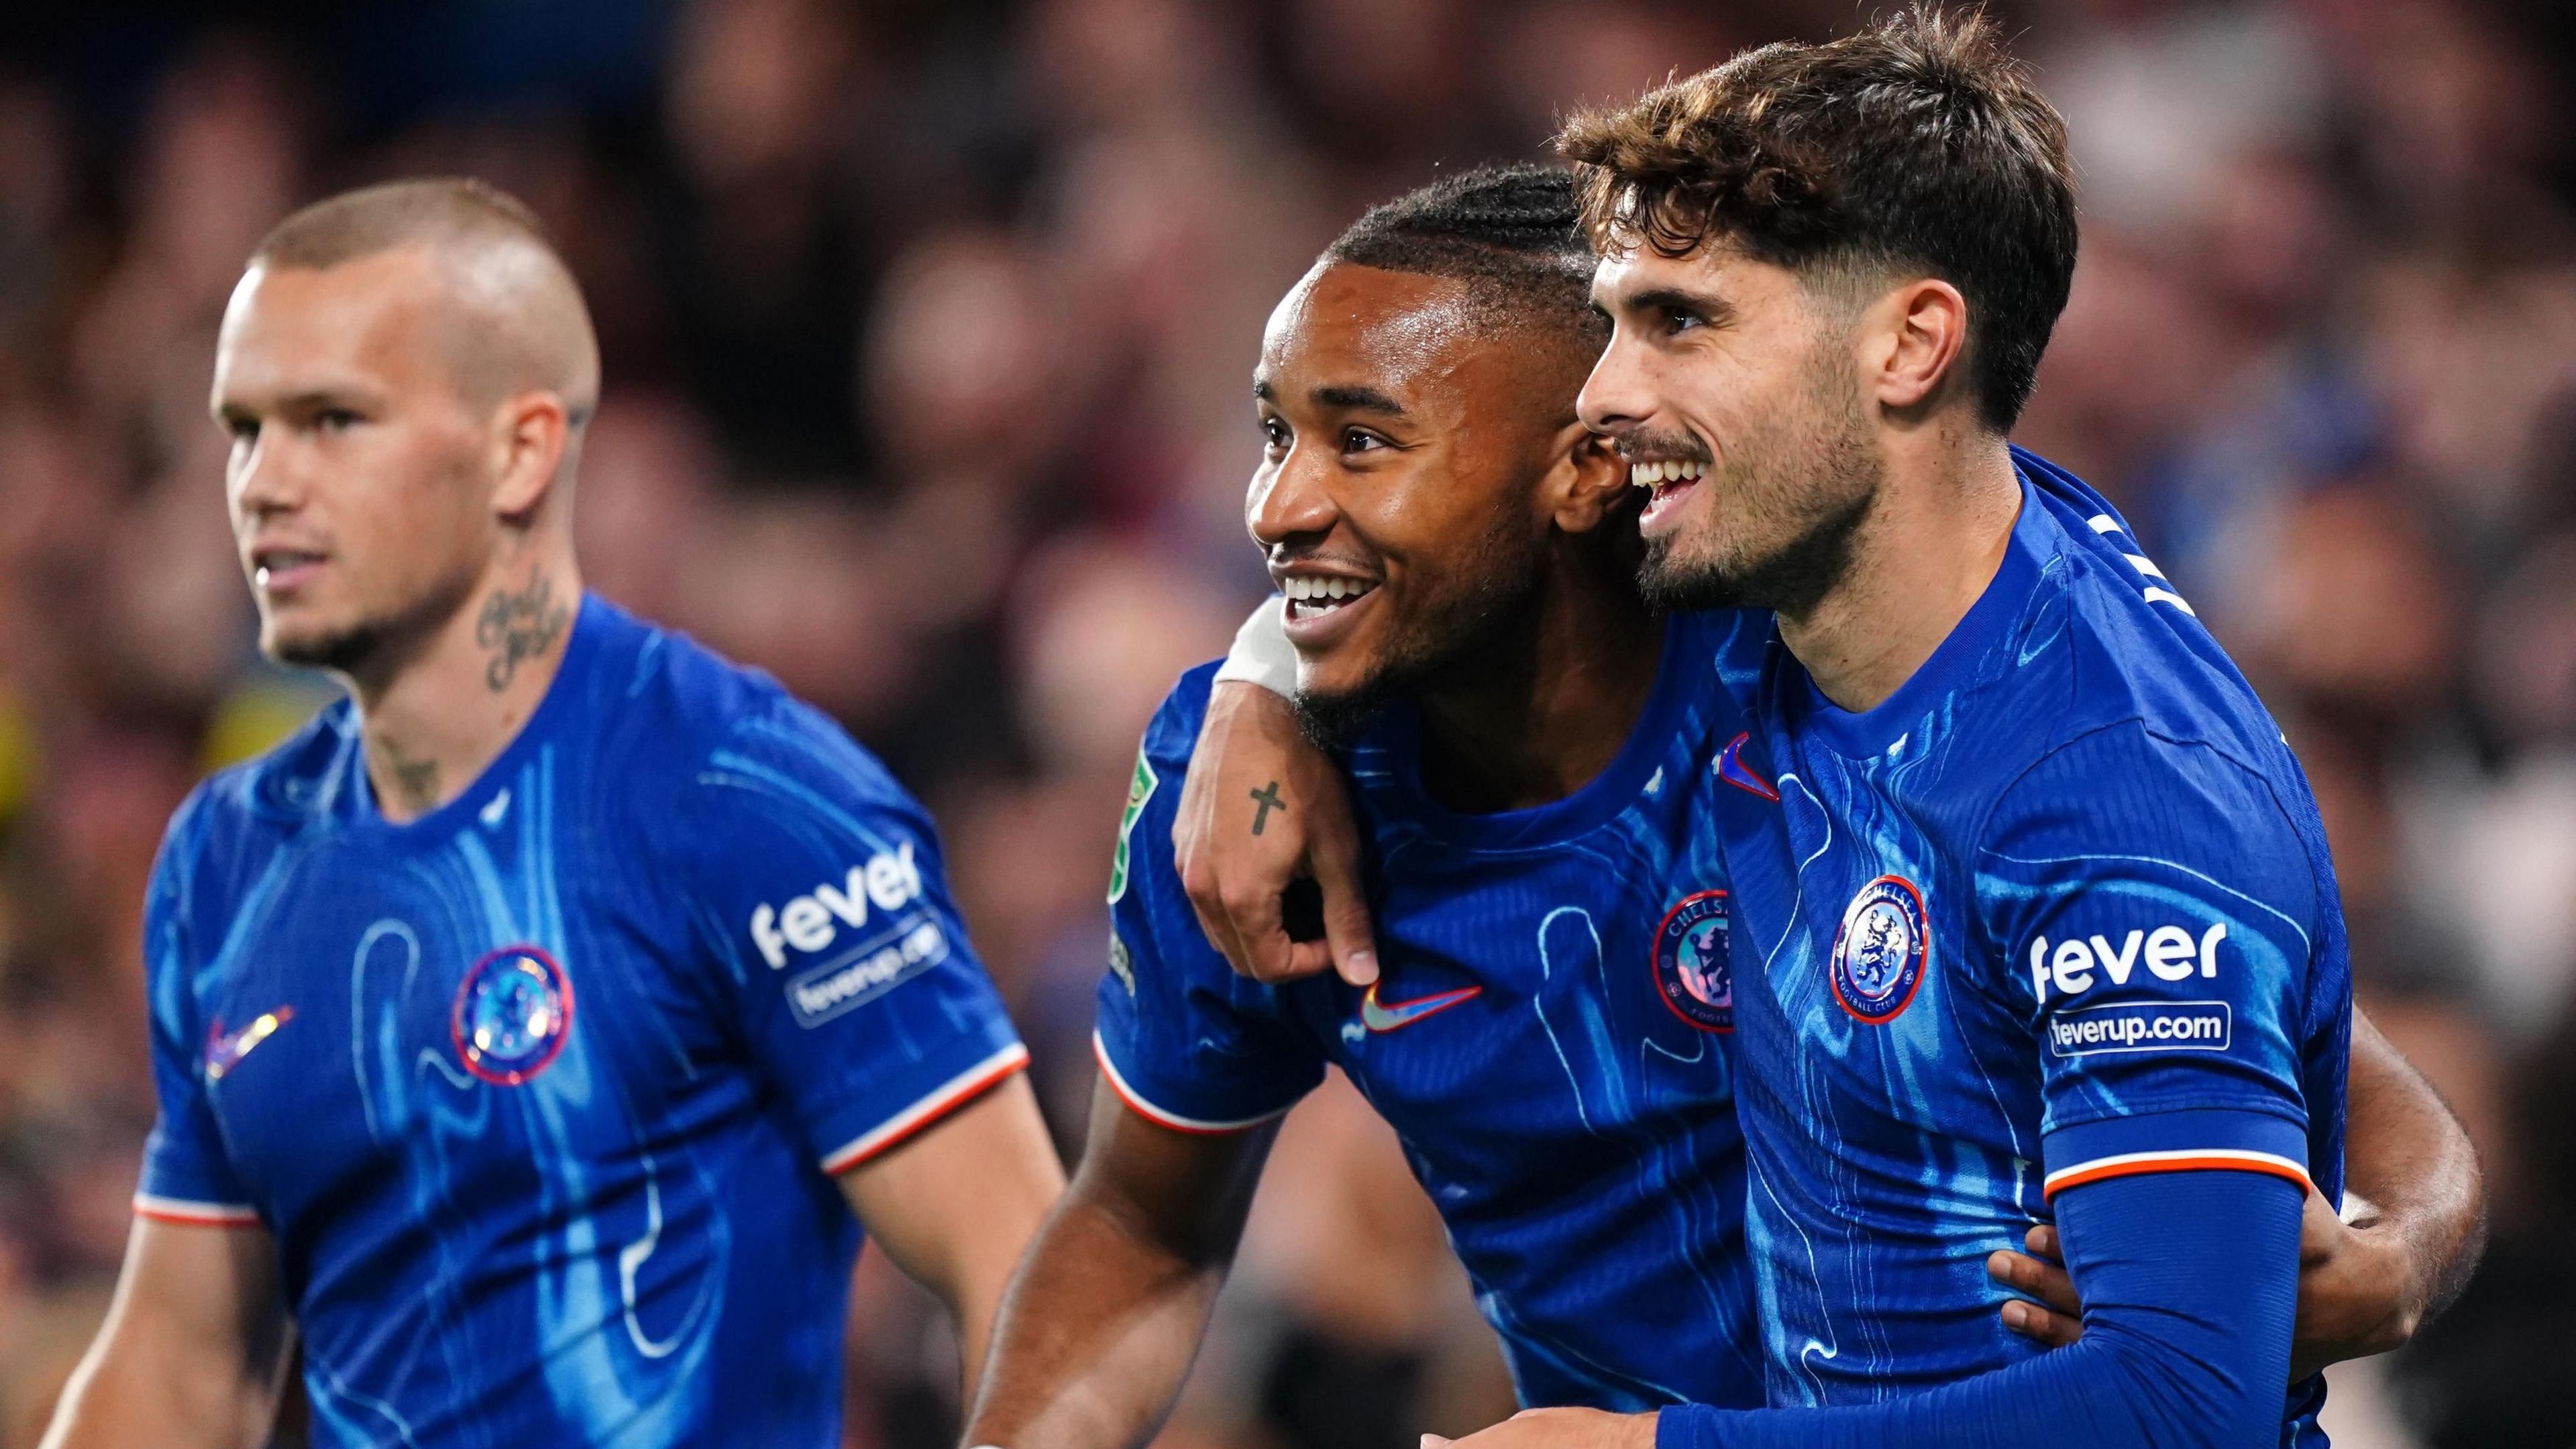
(1333, 713)
(312, 644)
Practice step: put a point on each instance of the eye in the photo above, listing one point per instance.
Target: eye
(1678, 320)
(1361, 440)
(245, 431)
(335, 420)
(1275, 437)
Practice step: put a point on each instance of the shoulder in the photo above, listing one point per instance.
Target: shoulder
(267, 798)
(1174, 730)
(677, 710)
(2106, 642)
(2127, 793)
(1153, 790)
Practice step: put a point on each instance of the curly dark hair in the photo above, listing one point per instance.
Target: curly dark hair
(1918, 144)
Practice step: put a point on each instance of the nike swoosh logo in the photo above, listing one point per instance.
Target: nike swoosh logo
(1732, 769)
(1394, 1014)
(224, 1051)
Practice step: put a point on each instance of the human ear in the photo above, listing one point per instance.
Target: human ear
(1587, 481)
(530, 433)
(1912, 339)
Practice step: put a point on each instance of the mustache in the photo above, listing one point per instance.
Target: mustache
(1643, 445)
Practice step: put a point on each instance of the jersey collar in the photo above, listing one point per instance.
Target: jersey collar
(562, 696)
(1952, 667)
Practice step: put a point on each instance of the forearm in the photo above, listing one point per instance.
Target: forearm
(2190, 1281)
(129, 1391)
(1096, 1336)
(2411, 1162)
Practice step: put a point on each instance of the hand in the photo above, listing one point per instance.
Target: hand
(2358, 1293)
(2041, 1274)
(2359, 1289)
(1261, 809)
(1558, 1429)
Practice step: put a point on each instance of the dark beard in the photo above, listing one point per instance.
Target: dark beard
(1472, 634)
(1791, 580)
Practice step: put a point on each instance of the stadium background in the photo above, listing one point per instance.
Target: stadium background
(927, 329)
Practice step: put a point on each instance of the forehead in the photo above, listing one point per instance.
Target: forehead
(1396, 331)
(1712, 272)
(363, 323)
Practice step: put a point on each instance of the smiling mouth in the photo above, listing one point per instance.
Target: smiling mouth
(1313, 597)
(1665, 481)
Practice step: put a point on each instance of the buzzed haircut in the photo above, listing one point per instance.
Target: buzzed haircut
(1513, 234)
(520, 319)
(1917, 144)
(373, 219)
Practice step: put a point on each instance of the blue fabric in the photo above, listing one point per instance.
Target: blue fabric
(1548, 1039)
(2190, 1282)
(2059, 908)
(536, 1091)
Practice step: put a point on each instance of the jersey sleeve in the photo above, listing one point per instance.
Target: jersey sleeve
(187, 1176)
(1181, 1038)
(2158, 915)
(817, 883)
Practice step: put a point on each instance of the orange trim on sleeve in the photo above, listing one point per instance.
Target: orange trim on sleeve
(195, 1214)
(917, 1118)
(2133, 1164)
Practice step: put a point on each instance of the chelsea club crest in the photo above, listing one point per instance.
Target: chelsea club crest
(1880, 952)
(1693, 971)
(512, 1014)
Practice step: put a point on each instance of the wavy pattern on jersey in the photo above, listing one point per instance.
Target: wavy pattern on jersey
(1892, 1153)
(1575, 1133)
(623, 1236)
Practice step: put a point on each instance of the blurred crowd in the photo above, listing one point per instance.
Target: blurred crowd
(928, 326)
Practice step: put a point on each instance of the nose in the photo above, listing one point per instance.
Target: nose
(1289, 503)
(1615, 397)
(261, 475)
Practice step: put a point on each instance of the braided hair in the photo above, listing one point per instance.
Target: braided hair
(1513, 234)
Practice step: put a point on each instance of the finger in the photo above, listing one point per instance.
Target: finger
(1348, 931)
(1220, 934)
(1434, 1441)
(2037, 1277)
(2321, 1231)
(2042, 1242)
(2049, 1330)
(1268, 956)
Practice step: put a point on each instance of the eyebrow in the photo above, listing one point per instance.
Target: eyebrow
(1706, 304)
(1359, 399)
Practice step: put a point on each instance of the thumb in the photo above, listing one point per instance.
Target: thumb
(1434, 1441)
(1348, 932)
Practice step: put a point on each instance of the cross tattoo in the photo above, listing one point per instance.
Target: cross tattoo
(1267, 797)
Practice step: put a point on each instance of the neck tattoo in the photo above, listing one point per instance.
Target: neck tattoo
(415, 782)
(518, 625)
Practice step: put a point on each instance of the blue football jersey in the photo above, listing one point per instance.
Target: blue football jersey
(539, 1093)
(1547, 1037)
(2059, 909)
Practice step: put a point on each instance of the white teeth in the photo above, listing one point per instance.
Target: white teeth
(1650, 475)
(1308, 595)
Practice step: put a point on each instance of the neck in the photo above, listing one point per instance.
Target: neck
(1536, 720)
(1920, 561)
(434, 720)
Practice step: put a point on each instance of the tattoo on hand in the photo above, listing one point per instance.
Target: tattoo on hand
(518, 625)
(1267, 798)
